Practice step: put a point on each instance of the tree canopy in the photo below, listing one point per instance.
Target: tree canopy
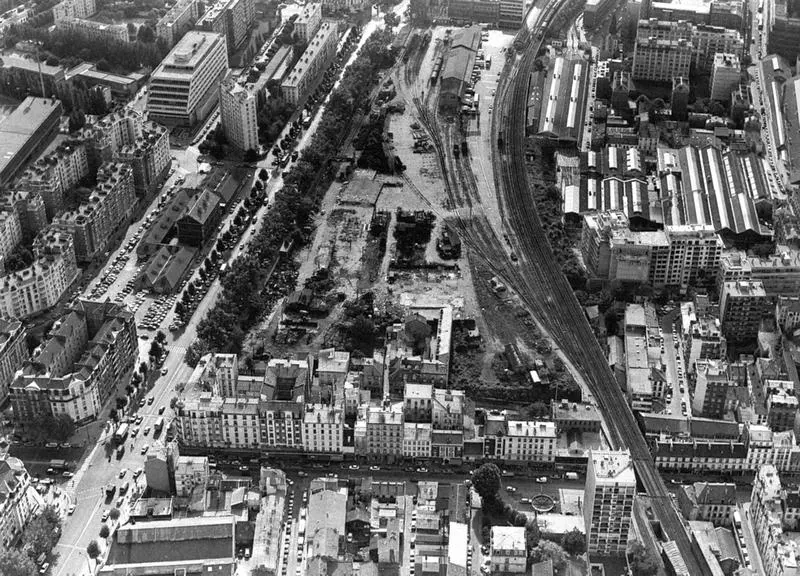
(486, 481)
(643, 561)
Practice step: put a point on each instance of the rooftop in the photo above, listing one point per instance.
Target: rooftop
(612, 466)
(508, 538)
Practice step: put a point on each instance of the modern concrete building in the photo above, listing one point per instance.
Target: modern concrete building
(29, 129)
(308, 21)
(191, 472)
(89, 353)
(239, 113)
(783, 28)
(708, 41)
(185, 86)
(13, 352)
(742, 306)
(230, 18)
(726, 74)
(713, 383)
(178, 20)
(610, 490)
(663, 50)
(311, 65)
(779, 273)
(511, 13)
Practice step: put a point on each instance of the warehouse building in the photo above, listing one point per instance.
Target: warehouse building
(29, 129)
(562, 104)
(457, 71)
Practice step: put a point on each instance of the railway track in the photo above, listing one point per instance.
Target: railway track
(549, 295)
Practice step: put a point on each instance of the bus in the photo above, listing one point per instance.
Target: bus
(159, 425)
(121, 434)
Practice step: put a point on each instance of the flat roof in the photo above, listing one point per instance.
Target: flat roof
(188, 52)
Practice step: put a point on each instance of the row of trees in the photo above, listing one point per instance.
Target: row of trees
(243, 298)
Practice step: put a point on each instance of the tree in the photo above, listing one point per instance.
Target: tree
(143, 368)
(263, 175)
(547, 550)
(391, 20)
(93, 551)
(250, 156)
(114, 514)
(40, 535)
(76, 120)
(574, 542)
(486, 481)
(103, 65)
(173, 402)
(121, 402)
(16, 563)
(161, 337)
(105, 531)
(532, 535)
(538, 409)
(113, 414)
(642, 560)
(260, 571)
(146, 34)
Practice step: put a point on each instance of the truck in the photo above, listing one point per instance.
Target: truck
(57, 465)
(571, 475)
(121, 434)
(110, 489)
(159, 425)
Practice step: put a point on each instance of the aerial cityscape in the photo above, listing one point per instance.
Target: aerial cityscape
(409, 288)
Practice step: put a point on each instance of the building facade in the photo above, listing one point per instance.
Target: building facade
(311, 65)
(726, 71)
(13, 353)
(239, 114)
(178, 20)
(743, 305)
(610, 490)
(663, 50)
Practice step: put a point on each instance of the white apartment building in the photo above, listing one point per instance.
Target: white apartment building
(184, 87)
(610, 490)
(239, 115)
(323, 429)
(10, 234)
(241, 425)
(416, 440)
(18, 500)
(528, 441)
(308, 21)
(509, 552)
(177, 21)
(13, 352)
(73, 9)
(311, 65)
(95, 30)
(726, 71)
(56, 173)
(38, 287)
(778, 553)
(693, 249)
(379, 430)
(663, 50)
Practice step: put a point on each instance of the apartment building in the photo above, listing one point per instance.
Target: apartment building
(694, 250)
(198, 423)
(78, 368)
(713, 383)
(323, 429)
(778, 553)
(417, 440)
(379, 431)
(13, 352)
(418, 403)
(704, 339)
(726, 71)
(332, 367)
(239, 116)
(149, 157)
(184, 88)
(190, 473)
(787, 313)
(10, 234)
(609, 493)
(709, 41)
(29, 208)
(241, 423)
(662, 51)
(19, 501)
(56, 173)
(779, 273)
(783, 26)
(527, 441)
(282, 425)
(743, 305)
(231, 19)
(95, 30)
(109, 205)
(311, 65)
(509, 551)
(308, 21)
(73, 9)
(715, 456)
(178, 20)
(40, 286)
(781, 410)
(512, 13)
(713, 502)
(448, 409)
